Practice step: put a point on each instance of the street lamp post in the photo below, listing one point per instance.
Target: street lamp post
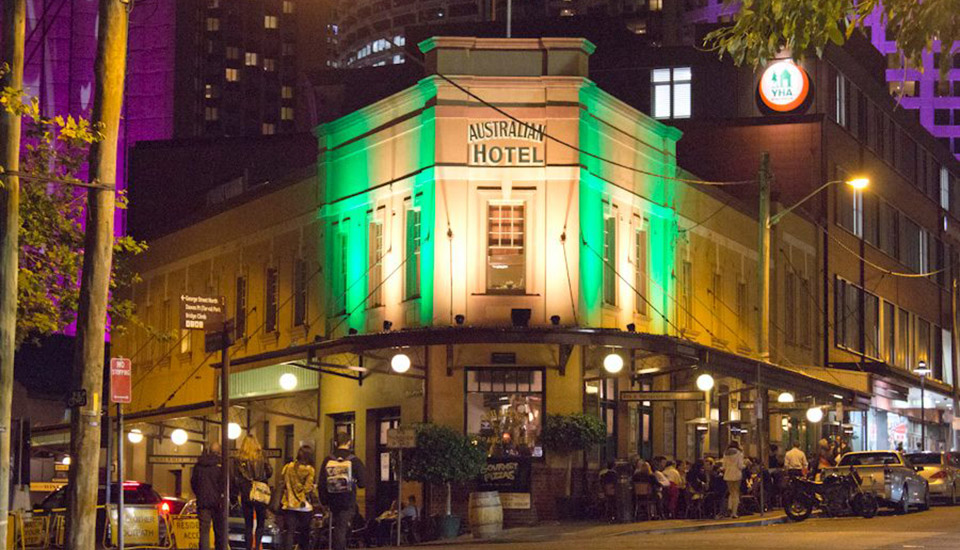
(923, 371)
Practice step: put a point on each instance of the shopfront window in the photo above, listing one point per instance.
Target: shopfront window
(505, 408)
(506, 248)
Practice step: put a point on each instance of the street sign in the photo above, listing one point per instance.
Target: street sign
(661, 396)
(213, 338)
(172, 459)
(401, 438)
(121, 370)
(202, 312)
(77, 398)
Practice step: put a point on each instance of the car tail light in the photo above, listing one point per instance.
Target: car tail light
(942, 474)
(164, 507)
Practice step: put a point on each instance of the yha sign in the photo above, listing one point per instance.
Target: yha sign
(505, 143)
(784, 86)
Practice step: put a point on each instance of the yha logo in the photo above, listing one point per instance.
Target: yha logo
(784, 86)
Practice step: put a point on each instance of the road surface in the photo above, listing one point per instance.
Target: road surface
(936, 529)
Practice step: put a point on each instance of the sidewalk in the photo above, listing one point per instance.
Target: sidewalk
(553, 530)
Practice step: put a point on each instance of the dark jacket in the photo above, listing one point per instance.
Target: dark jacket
(245, 472)
(341, 501)
(206, 481)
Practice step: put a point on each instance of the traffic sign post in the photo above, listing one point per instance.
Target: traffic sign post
(121, 372)
(400, 438)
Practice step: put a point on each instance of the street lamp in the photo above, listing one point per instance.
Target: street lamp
(400, 363)
(815, 414)
(288, 381)
(179, 436)
(135, 436)
(923, 371)
(766, 224)
(705, 382)
(613, 363)
(785, 397)
(233, 430)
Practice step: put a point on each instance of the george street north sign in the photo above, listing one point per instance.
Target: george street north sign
(202, 312)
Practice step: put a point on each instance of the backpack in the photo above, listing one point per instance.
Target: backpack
(339, 473)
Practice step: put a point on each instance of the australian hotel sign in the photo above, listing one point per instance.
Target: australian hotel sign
(505, 142)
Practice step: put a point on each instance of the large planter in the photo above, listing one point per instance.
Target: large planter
(486, 514)
(449, 526)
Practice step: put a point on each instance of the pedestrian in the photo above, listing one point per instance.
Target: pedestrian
(795, 461)
(298, 479)
(251, 472)
(825, 455)
(340, 475)
(733, 475)
(206, 482)
(608, 486)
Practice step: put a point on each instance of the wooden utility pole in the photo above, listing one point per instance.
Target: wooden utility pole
(95, 280)
(14, 31)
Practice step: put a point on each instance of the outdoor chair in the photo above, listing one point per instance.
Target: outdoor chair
(645, 501)
(695, 504)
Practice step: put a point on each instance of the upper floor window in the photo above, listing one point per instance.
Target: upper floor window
(269, 21)
(944, 188)
(671, 94)
(840, 107)
(251, 59)
(288, 6)
(375, 260)
(241, 308)
(299, 292)
(506, 247)
(286, 92)
(232, 75)
(412, 256)
(610, 260)
(213, 24)
(640, 270)
(271, 299)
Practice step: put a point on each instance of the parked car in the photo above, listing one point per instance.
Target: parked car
(890, 476)
(942, 472)
(136, 495)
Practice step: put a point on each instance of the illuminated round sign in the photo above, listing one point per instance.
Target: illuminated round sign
(784, 86)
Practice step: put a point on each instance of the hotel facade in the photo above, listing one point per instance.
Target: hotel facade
(508, 226)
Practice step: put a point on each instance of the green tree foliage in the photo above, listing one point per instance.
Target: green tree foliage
(764, 28)
(443, 455)
(53, 151)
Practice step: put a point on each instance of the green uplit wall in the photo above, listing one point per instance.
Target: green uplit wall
(354, 162)
(658, 203)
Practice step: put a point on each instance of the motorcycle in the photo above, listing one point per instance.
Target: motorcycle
(836, 495)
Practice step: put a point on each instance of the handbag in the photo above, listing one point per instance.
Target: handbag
(259, 492)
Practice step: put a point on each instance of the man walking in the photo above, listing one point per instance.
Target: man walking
(340, 475)
(795, 461)
(206, 481)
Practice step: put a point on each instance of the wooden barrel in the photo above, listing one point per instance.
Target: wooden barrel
(486, 514)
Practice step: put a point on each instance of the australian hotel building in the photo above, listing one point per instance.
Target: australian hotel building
(540, 238)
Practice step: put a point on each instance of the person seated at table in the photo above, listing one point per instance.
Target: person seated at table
(608, 490)
(645, 475)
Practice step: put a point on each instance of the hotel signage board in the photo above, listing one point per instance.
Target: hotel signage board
(506, 142)
(784, 86)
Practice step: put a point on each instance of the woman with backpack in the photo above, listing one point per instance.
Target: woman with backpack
(298, 493)
(251, 471)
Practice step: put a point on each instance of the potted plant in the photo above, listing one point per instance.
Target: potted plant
(444, 456)
(565, 435)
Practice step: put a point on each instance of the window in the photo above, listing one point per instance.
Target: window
(250, 58)
(870, 203)
(923, 342)
(871, 324)
(375, 259)
(233, 52)
(941, 117)
(268, 128)
(743, 307)
(805, 338)
(904, 88)
(904, 346)
(412, 256)
(888, 320)
(286, 48)
(288, 6)
(286, 113)
(671, 95)
(847, 315)
(505, 407)
(789, 302)
(947, 354)
(241, 312)
(211, 91)
(211, 113)
(299, 292)
(186, 340)
(610, 260)
(909, 243)
(840, 107)
(924, 251)
(640, 270)
(506, 248)
(269, 21)
(944, 188)
(338, 302)
(232, 75)
(271, 300)
(717, 291)
(213, 4)
(213, 24)
(269, 64)
(889, 229)
(686, 297)
(286, 92)
(656, 5)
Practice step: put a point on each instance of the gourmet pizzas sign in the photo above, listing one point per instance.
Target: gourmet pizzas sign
(784, 86)
(505, 142)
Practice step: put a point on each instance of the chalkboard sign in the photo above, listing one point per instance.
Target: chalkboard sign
(507, 475)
